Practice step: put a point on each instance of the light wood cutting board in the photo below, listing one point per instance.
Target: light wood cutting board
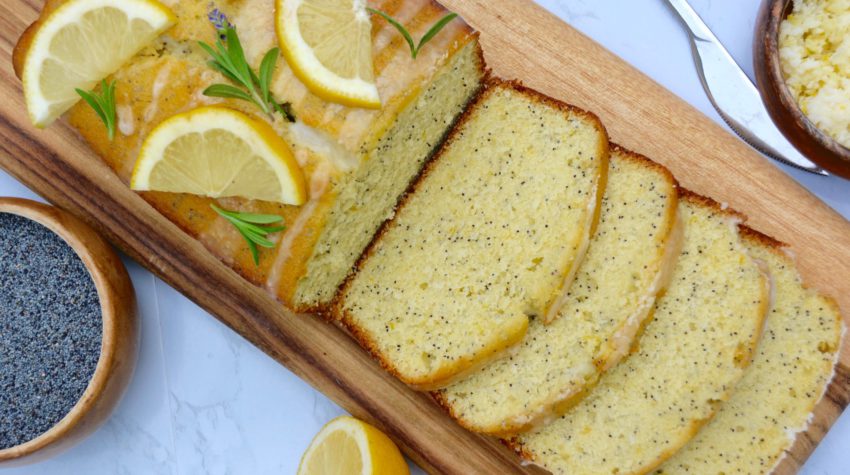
(521, 40)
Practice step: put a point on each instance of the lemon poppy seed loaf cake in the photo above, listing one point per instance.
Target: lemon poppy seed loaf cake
(357, 162)
(774, 400)
(487, 238)
(688, 360)
(628, 263)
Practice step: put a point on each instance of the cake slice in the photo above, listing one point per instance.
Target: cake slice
(357, 162)
(700, 341)
(487, 238)
(628, 263)
(773, 402)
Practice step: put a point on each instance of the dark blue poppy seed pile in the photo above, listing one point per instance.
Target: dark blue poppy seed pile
(50, 329)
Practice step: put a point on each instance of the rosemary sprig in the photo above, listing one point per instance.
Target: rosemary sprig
(103, 104)
(228, 58)
(255, 228)
(414, 48)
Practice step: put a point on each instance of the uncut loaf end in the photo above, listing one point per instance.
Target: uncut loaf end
(357, 162)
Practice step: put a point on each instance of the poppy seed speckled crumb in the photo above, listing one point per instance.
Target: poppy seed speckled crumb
(50, 329)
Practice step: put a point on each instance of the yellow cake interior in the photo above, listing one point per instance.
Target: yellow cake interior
(453, 279)
(626, 266)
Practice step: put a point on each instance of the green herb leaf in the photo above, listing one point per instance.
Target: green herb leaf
(93, 102)
(103, 105)
(429, 35)
(435, 30)
(255, 253)
(253, 227)
(226, 91)
(237, 57)
(266, 72)
(398, 26)
(255, 218)
(228, 58)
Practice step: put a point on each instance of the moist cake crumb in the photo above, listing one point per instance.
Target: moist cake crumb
(50, 329)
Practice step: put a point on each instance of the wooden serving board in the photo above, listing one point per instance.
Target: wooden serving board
(521, 40)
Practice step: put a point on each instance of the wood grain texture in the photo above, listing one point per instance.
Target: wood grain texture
(120, 337)
(522, 41)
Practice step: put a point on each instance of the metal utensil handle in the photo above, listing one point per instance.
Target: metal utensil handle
(696, 27)
(734, 95)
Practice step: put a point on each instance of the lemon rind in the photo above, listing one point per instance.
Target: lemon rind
(39, 110)
(259, 135)
(309, 70)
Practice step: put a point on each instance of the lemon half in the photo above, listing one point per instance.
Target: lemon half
(218, 152)
(328, 45)
(80, 43)
(352, 447)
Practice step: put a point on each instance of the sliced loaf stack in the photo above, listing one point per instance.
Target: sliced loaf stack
(626, 266)
(774, 400)
(704, 331)
(605, 361)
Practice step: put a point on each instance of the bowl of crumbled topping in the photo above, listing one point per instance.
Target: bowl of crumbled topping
(68, 331)
(802, 66)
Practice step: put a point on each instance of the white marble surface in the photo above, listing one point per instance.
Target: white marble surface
(204, 401)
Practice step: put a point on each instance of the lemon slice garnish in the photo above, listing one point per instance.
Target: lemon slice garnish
(218, 152)
(328, 44)
(80, 43)
(347, 445)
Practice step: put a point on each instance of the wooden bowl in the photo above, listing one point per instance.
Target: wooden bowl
(119, 346)
(783, 108)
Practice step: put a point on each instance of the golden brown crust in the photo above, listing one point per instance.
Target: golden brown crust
(518, 448)
(21, 48)
(757, 237)
(440, 398)
(538, 96)
(442, 378)
(509, 431)
(646, 161)
(696, 198)
(25, 41)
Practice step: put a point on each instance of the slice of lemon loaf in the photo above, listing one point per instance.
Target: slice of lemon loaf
(486, 239)
(701, 339)
(628, 263)
(357, 161)
(773, 402)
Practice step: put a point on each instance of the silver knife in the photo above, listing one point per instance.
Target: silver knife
(734, 96)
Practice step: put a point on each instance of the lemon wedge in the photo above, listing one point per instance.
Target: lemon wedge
(218, 152)
(80, 43)
(352, 447)
(328, 44)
